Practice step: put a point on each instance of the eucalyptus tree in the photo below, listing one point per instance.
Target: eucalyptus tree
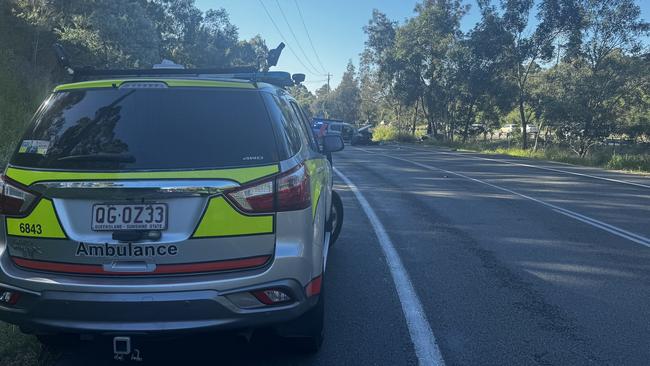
(480, 59)
(422, 54)
(532, 43)
(371, 92)
(304, 97)
(603, 76)
(96, 33)
(379, 68)
(345, 99)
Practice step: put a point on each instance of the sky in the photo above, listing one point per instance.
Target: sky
(334, 26)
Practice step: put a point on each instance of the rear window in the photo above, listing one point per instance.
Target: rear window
(138, 129)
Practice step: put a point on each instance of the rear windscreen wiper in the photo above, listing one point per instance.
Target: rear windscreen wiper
(121, 158)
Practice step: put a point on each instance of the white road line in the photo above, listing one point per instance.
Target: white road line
(639, 239)
(510, 162)
(424, 342)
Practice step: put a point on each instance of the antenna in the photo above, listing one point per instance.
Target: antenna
(273, 56)
(62, 58)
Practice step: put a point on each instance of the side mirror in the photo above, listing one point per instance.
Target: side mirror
(332, 143)
(298, 78)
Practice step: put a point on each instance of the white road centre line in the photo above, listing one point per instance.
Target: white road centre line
(639, 239)
(424, 342)
(510, 162)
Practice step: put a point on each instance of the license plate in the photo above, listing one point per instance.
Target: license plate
(146, 216)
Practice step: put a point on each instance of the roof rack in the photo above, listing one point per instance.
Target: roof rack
(278, 78)
(169, 69)
(89, 73)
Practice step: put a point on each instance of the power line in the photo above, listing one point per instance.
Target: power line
(284, 39)
(302, 18)
(314, 68)
(314, 81)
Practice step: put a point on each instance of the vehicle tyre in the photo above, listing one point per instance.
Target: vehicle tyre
(305, 334)
(335, 222)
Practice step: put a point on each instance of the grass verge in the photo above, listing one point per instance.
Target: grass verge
(16, 348)
(627, 158)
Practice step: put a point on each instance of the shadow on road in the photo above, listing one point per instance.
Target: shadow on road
(206, 349)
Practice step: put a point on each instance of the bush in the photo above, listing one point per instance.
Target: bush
(629, 162)
(384, 133)
(390, 133)
(632, 158)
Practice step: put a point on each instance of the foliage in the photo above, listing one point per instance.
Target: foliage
(341, 103)
(345, 98)
(390, 133)
(105, 34)
(578, 72)
(631, 158)
(384, 133)
(629, 162)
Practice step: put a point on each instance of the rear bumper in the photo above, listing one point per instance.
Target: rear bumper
(149, 313)
(53, 302)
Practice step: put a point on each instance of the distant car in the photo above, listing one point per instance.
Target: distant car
(477, 128)
(322, 127)
(509, 128)
(348, 132)
(530, 129)
(363, 136)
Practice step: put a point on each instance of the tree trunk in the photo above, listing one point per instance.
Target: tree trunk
(452, 125)
(415, 118)
(398, 113)
(522, 114)
(470, 116)
(431, 126)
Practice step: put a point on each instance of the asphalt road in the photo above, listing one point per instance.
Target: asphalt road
(511, 262)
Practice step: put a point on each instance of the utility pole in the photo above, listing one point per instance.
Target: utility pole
(328, 82)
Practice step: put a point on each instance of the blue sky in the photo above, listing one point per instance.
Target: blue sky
(335, 27)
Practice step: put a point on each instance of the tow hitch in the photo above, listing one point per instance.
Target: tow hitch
(122, 350)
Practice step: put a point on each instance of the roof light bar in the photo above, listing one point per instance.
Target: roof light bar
(143, 85)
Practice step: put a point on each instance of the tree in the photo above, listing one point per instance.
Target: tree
(304, 98)
(370, 93)
(251, 52)
(320, 105)
(527, 51)
(105, 34)
(377, 71)
(344, 101)
(602, 72)
(480, 59)
(425, 44)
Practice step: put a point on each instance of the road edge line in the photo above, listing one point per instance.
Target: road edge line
(424, 342)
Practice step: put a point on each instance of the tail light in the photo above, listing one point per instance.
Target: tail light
(314, 286)
(286, 192)
(14, 200)
(294, 191)
(258, 198)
